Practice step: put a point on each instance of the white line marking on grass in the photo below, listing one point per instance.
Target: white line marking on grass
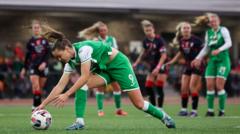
(216, 117)
(236, 127)
(230, 117)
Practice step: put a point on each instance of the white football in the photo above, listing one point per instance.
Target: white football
(41, 119)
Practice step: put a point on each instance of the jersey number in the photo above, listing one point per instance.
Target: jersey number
(131, 78)
(222, 70)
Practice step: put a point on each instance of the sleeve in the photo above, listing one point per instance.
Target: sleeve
(68, 68)
(199, 43)
(28, 55)
(162, 49)
(227, 39)
(85, 54)
(115, 45)
(204, 50)
(144, 45)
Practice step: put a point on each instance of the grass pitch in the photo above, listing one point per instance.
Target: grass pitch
(16, 120)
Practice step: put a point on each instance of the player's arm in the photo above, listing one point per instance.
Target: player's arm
(85, 54)
(227, 39)
(139, 58)
(85, 74)
(163, 58)
(175, 58)
(57, 89)
(115, 45)
(204, 51)
(27, 57)
(47, 53)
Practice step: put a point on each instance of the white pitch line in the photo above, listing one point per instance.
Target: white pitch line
(236, 127)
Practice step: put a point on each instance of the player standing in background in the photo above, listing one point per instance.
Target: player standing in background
(154, 52)
(189, 47)
(217, 44)
(100, 64)
(99, 32)
(36, 62)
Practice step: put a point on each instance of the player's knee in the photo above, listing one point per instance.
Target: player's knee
(210, 86)
(35, 86)
(149, 84)
(184, 91)
(219, 87)
(138, 104)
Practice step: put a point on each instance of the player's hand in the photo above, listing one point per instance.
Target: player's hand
(156, 71)
(168, 63)
(42, 66)
(60, 100)
(196, 63)
(22, 73)
(41, 106)
(134, 65)
(215, 52)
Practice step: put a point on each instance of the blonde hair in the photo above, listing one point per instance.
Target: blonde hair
(36, 21)
(178, 35)
(203, 20)
(91, 32)
(146, 23)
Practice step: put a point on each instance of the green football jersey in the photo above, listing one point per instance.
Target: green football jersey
(110, 40)
(96, 51)
(214, 41)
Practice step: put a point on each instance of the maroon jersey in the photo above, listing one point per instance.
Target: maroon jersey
(37, 52)
(153, 49)
(190, 48)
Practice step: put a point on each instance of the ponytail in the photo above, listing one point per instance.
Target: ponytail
(91, 32)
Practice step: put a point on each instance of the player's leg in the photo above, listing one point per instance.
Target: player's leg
(100, 98)
(37, 92)
(81, 99)
(210, 96)
(117, 99)
(185, 80)
(138, 101)
(222, 96)
(161, 79)
(195, 86)
(210, 75)
(223, 71)
(149, 85)
(121, 70)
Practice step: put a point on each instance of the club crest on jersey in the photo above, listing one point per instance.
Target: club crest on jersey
(43, 42)
(38, 42)
(191, 45)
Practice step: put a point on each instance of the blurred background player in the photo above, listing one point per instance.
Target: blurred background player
(154, 52)
(217, 44)
(189, 47)
(99, 32)
(36, 62)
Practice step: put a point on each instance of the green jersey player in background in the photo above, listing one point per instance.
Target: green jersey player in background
(217, 44)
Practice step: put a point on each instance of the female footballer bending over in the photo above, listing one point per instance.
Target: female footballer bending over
(100, 65)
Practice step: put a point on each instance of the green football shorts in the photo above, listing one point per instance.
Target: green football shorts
(120, 70)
